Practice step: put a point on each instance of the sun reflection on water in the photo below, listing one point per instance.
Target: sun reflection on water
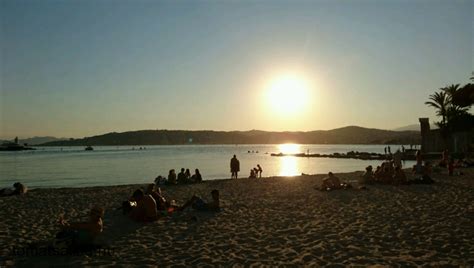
(288, 166)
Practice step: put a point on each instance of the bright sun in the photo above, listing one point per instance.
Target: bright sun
(288, 94)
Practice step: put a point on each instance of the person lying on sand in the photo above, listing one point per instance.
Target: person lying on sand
(332, 182)
(81, 235)
(145, 209)
(198, 204)
(18, 189)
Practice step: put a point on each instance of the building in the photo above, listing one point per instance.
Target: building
(433, 141)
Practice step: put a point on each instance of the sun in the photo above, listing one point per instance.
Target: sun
(288, 94)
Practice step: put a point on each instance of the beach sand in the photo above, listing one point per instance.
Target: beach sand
(268, 221)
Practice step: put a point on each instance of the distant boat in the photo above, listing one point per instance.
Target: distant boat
(89, 148)
(12, 146)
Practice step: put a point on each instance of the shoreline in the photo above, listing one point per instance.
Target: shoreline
(268, 221)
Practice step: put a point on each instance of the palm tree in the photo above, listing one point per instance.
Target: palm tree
(451, 90)
(453, 110)
(440, 101)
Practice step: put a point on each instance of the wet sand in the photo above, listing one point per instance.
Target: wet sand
(268, 221)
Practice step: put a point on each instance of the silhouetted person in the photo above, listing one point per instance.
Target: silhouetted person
(188, 174)
(18, 189)
(155, 192)
(234, 167)
(253, 175)
(260, 170)
(172, 177)
(82, 235)
(182, 177)
(146, 209)
(444, 159)
(198, 204)
(197, 176)
(399, 176)
(368, 177)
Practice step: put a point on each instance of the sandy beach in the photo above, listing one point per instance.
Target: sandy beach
(268, 221)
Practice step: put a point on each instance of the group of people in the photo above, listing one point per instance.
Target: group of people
(183, 177)
(256, 172)
(387, 173)
(142, 206)
(148, 205)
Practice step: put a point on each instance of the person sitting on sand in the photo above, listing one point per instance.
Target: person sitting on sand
(252, 174)
(196, 176)
(18, 189)
(188, 174)
(444, 159)
(155, 192)
(368, 177)
(182, 177)
(160, 180)
(418, 167)
(397, 158)
(172, 177)
(387, 174)
(81, 235)
(426, 175)
(145, 209)
(378, 174)
(399, 176)
(331, 182)
(198, 204)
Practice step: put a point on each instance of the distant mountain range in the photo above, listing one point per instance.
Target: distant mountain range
(345, 135)
(413, 127)
(36, 140)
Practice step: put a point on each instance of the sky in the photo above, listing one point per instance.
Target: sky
(82, 68)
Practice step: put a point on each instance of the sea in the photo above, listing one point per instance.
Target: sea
(54, 167)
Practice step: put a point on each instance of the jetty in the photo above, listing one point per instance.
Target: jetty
(362, 155)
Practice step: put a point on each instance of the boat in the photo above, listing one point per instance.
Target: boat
(89, 148)
(13, 146)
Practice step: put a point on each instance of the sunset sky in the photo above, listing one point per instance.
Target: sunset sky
(81, 68)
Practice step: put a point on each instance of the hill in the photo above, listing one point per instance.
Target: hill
(345, 135)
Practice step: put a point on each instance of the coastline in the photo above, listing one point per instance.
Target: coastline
(268, 221)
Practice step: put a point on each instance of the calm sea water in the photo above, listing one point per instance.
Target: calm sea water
(114, 165)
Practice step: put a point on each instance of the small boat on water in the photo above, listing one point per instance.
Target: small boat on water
(13, 146)
(89, 148)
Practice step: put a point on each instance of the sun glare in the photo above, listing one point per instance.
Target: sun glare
(289, 148)
(288, 94)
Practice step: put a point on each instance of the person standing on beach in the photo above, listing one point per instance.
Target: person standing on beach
(234, 167)
(260, 170)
